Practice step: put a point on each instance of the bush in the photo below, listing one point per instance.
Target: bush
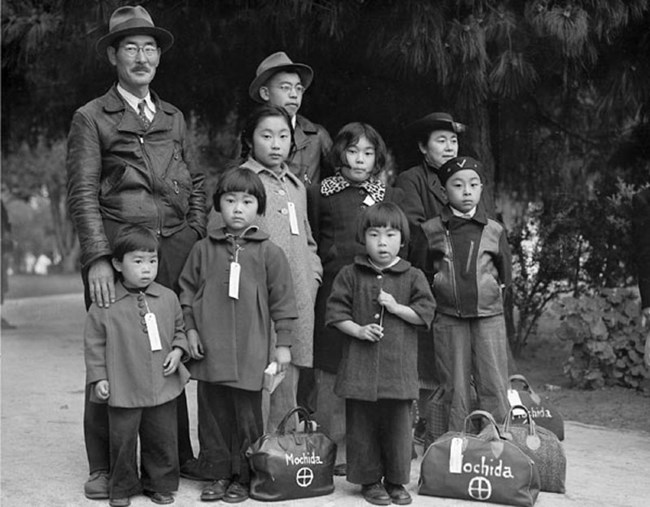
(608, 340)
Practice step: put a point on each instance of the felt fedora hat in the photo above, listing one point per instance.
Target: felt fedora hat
(278, 62)
(436, 121)
(133, 20)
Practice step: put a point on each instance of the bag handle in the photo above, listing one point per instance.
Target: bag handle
(529, 420)
(486, 415)
(306, 417)
(522, 379)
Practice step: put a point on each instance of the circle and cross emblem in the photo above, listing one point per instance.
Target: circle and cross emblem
(304, 477)
(480, 488)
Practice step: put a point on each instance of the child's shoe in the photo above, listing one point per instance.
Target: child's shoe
(236, 493)
(119, 502)
(375, 493)
(398, 493)
(161, 498)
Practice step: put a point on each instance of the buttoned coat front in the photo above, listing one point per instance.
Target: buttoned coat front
(312, 145)
(300, 249)
(386, 369)
(117, 347)
(236, 333)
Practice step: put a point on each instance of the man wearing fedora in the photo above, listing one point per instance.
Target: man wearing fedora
(281, 82)
(128, 162)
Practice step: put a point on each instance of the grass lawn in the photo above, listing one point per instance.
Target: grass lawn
(25, 286)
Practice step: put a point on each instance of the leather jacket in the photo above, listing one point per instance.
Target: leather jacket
(121, 172)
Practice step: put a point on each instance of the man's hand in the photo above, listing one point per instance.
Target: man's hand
(195, 345)
(101, 282)
(102, 390)
(172, 361)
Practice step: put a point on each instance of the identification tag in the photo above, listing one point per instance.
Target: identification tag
(369, 201)
(152, 331)
(293, 219)
(456, 456)
(233, 282)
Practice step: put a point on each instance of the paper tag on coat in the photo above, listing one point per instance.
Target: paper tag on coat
(456, 456)
(369, 201)
(233, 282)
(293, 219)
(152, 331)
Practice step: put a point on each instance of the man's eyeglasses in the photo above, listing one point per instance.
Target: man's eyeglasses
(286, 88)
(132, 50)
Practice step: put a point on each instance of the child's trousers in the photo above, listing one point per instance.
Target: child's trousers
(158, 433)
(467, 348)
(230, 420)
(379, 440)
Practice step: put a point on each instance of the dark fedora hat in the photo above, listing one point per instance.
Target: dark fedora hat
(278, 62)
(436, 121)
(133, 20)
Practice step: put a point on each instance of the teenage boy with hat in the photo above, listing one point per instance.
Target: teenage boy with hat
(281, 82)
(472, 267)
(128, 162)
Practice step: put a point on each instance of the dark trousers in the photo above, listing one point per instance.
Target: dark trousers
(173, 253)
(159, 468)
(230, 420)
(379, 440)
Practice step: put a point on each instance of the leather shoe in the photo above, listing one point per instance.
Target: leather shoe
(96, 487)
(375, 494)
(119, 502)
(215, 491)
(161, 498)
(236, 493)
(397, 493)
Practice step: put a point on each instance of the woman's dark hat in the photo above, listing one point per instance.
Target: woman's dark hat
(436, 121)
(278, 62)
(456, 164)
(133, 20)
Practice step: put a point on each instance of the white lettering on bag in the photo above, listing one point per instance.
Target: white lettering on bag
(488, 469)
(303, 459)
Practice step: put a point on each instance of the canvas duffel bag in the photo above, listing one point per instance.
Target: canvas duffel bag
(542, 410)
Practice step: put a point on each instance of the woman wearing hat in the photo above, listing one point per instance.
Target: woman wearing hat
(425, 197)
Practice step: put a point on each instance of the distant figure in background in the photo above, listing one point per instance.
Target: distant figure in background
(641, 238)
(7, 250)
(281, 82)
(129, 163)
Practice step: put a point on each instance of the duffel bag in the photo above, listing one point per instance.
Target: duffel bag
(483, 467)
(296, 464)
(542, 410)
(543, 446)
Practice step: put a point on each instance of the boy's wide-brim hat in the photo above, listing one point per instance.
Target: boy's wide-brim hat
(449, 168)
(133, 20)
(278, 62)
(436, 121)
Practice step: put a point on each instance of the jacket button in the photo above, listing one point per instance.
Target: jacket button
(284, 211)
(378, 277)
(281, 192)
(143, 313)
(376, 316)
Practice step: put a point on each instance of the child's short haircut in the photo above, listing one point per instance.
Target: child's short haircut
(349, 135)
(383, 214)
(254, 118)
(241, 179)
(134, 237)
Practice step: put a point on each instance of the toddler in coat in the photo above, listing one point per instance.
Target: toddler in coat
(379, 302)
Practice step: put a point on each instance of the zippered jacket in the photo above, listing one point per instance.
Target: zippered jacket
(470, 259)
(120, 171)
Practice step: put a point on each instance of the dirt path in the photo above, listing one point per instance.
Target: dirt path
(43, 457)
